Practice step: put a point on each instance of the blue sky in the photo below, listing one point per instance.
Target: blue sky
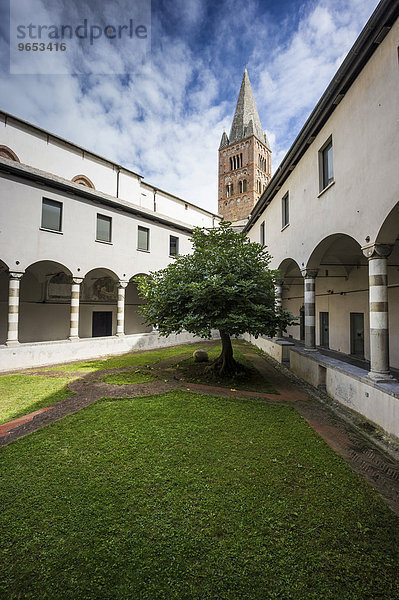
(165, 119)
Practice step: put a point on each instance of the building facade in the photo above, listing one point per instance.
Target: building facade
(244, 159)
(330, 220)
(75, 230)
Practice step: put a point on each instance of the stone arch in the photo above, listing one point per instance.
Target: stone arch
(45, 298)
(6, 152)
(292, 295)
(133, 321)
(83, 180)
(98, 303)
(389, 230)
(341, 295)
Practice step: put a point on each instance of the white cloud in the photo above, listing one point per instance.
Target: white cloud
(165, 122)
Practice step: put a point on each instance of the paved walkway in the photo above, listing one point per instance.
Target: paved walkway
(363, 456)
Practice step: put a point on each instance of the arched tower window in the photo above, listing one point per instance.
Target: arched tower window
(6, 152)
(83, 180)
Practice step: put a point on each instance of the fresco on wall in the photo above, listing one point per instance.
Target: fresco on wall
(59, 287)
(102, 289)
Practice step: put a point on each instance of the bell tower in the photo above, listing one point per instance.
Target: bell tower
(244, 159)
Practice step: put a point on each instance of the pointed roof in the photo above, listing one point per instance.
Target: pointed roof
(246, 120)
(224, 142)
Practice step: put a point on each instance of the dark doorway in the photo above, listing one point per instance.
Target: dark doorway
(302, 323)
(102, 323)
(324, 330)
(357, 334)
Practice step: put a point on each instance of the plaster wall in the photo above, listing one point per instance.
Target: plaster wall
(41, 150)
(365, 137)
(76, 247)
(378, 403)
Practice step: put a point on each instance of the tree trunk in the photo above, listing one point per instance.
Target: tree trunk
(225, 364)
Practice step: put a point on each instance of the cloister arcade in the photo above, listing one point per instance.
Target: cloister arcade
(46, 302)
(346, 297)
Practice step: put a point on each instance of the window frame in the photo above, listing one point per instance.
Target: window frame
(285, 210)
(109, 219)
(147, 230)
(60, 205)
(262, 235)
(324, 179)
(174, 237)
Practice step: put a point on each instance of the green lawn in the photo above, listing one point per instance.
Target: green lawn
(126, 360)
(183, 496)
(23, 394)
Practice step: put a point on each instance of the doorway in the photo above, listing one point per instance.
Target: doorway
(357, 334)
(324, 330)
(102, 323)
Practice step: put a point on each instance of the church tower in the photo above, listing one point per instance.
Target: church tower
(244, 159)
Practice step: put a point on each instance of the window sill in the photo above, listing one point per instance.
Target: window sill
(142, 250)
(103, 242)
(326, 188)
(51, 230)
(285, 227)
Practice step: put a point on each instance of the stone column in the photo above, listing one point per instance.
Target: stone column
(377, 255)
(309, 276)
(74, 323)
(120, 317)
(13, 308)
(278, 295)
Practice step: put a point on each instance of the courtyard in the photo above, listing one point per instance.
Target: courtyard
(137, 476)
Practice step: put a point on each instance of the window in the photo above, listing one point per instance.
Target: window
(6, 152)
(262, 233)
(326, 165)
(173, 245)
(242, 186)
(51, 215)
(103, 228)
(285, 210)
(229, 190)
(83, 180)
(143, 238)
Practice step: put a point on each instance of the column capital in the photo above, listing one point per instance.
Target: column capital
(374, 250)
(77, 280)
(16, 274)
(309, 273)
(122, 284)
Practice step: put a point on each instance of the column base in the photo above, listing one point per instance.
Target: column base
(74, 338)
(380, 377)
(310, 349)
(12, 343)
(119, 334)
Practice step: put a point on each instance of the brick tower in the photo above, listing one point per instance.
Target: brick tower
(244, 159)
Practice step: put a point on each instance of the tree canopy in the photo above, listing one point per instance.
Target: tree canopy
(225, 284)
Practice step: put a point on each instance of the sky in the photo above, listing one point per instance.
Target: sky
(160, 108)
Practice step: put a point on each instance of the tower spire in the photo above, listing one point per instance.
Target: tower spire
(246, 120)
(244, 160)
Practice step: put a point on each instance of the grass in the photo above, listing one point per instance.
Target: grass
(126, 360)
(23, 394)
(182, 496)
(250, 379)
(129, 378)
